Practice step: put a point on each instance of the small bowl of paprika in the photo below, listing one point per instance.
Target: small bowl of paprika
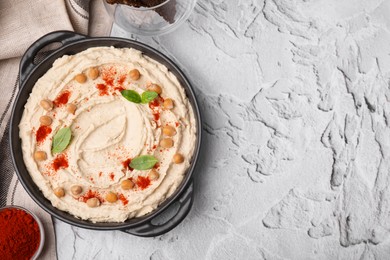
(21, 233)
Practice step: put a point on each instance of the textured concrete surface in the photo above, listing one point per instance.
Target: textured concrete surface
(295, 163)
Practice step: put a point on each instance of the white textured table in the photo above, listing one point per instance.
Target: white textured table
(295, 164)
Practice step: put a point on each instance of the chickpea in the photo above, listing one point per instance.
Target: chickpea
(153, 175)
(168, 104)
(156, 88)
(40, 155)
(59, 192)
(76, 189)
(45, 120)
(178, 158)
(166, 143)
(71, 108)
(93, 202)
(134, 74)
(80, 78)
(93, 73)
(169, 130)
(127, 185)
(46, 104)
(111, 197)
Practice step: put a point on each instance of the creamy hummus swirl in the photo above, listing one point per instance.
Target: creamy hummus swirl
(107, 132)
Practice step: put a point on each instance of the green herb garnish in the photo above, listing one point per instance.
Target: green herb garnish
(133, 96)
(143, 162)
(61, 140)
(148, 96)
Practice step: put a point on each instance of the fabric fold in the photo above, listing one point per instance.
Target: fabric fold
(22, 23)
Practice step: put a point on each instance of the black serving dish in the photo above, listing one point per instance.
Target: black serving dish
(31, 70)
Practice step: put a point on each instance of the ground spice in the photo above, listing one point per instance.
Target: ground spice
(122, 198)
(121, 79)
(108, 75)
(62, 99)
(112, 176)
(155, 106)
(143, 182)
(156, 116)
(126, 165)
(60, 162)
(19, 236)
(42, 133)
(89, 195)
(120, 88)
(103, 89)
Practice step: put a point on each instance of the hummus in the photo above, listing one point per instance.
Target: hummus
(107, 133)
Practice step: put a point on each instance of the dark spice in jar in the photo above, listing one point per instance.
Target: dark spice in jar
(19, 236)
(167, 11)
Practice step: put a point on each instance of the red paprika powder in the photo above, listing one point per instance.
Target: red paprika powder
(143, 182)
(19, 236)
(42, 133)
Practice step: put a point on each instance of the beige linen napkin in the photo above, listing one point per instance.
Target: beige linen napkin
(21, 23)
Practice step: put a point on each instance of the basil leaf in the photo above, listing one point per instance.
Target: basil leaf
(61, 140)
(143, 162)
(131, 95)
(148, 96)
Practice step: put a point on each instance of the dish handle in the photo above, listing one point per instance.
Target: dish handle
(27, 63)
(149, 229)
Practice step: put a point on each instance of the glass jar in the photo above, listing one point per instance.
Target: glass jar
(151, 21)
